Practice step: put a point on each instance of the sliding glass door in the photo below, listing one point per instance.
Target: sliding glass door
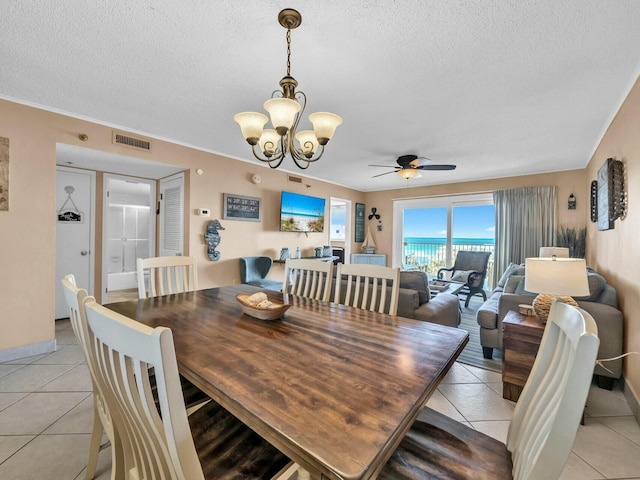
(429, 232)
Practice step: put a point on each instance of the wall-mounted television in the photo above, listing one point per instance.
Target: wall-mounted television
(301, 213)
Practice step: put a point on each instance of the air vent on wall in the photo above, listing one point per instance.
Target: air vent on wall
(295, 179)
(120, 139)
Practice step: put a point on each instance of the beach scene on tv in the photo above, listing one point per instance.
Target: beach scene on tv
(301, 213)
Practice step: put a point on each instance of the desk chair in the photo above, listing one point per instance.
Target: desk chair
(102, 420)
(209, 444)
(543, 426)
(308, 278)
(370, 287)
(167, 275)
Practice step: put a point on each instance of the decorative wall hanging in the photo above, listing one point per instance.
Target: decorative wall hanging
(594, 201)
(239, 207)
(359, 230)
(4, 174)
(611, 196)
(571, 204)
(65, 213)
(212, 238)
(376, 215)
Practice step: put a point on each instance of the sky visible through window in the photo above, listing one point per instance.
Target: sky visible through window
(476, 221)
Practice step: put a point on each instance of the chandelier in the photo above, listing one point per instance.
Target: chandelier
(272, 145)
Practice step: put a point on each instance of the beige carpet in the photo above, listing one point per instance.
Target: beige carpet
(472, 353)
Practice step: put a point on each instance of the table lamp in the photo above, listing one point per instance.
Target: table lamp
(559, 252)
(553, 277)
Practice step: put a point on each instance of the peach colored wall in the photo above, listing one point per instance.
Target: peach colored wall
(615, 253)
(568, 182)
(27, 230)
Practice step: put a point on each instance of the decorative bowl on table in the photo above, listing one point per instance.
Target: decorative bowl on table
(260, 307)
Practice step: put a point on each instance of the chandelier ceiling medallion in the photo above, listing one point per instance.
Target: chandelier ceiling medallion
(285, 109)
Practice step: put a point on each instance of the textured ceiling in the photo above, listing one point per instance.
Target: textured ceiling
(497, 87)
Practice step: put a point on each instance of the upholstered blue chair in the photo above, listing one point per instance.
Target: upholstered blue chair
(254, 270)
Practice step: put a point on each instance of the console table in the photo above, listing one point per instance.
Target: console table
(370, 258)
(521, 336)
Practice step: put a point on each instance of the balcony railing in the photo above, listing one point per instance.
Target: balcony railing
(430, 257)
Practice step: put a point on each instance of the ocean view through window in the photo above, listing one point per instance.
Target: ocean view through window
(432, 231)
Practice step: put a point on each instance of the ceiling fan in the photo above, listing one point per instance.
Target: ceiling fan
(408, 166)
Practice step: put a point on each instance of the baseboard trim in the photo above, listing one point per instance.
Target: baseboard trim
(632, 398)
(27, 350)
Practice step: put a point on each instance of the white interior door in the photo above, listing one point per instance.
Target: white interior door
(172, 215)
(75, 207)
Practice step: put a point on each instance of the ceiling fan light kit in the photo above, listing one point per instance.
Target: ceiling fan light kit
(285, 109)
(409, 173)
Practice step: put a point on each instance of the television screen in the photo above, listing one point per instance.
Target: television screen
(301, 213)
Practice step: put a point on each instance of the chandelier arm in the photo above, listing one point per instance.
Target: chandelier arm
(297, 155)
(278, 157)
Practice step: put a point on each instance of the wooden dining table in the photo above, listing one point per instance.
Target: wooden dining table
(335, 388)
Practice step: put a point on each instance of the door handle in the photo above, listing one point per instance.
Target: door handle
(84, 253)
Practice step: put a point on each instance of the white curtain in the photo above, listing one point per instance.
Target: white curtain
(526, 219)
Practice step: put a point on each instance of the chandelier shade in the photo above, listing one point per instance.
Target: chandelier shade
(285, 109)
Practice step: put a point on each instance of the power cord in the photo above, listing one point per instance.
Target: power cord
(600, 360)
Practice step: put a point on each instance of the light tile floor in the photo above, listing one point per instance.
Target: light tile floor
(46, 416)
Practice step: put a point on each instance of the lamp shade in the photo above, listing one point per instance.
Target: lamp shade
(251, 124)
(324, 125)
(307, 141)
(269, 141)
(409, 173)
(560, 252)
(557, 276)
(283, 113)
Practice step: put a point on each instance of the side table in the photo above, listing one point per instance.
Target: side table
(521, 336)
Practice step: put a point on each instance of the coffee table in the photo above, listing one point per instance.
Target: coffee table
(444, 286)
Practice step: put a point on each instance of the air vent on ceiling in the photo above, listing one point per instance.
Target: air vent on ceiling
(121, 139)
(295, 179)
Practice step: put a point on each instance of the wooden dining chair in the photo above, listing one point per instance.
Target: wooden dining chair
(102, 420)
(543, 425)
(308, 278)
(370, 287)
(166, 275)
(208, 444)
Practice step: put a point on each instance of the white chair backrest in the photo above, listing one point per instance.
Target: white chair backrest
(308, 278)
(167, 275)
(546, 418)
(75, 298)
(366, 286)
(154, 446)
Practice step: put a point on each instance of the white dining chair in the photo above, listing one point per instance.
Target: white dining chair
(166, 275)
(370, 287)
(308, 278)
(543, 426)
(102, 421)
(209, 444)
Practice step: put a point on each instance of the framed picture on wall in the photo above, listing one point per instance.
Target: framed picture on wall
(240, 207)
(359, 230)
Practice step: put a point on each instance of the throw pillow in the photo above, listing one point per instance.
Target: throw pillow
(521, 291)
(596, 286)
(512, 283)
(461, 276)
(511, 270)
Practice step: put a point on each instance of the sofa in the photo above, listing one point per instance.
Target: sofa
(601, 304)
(414, 301)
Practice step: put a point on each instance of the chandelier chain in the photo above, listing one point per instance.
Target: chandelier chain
(288, 52)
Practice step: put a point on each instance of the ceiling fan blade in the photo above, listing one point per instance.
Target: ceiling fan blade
(437, 167)
(385, 166)
(385, 173)
(419, 162)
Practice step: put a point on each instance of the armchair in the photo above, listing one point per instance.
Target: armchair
(254, 271)
(471, 269)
